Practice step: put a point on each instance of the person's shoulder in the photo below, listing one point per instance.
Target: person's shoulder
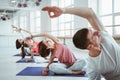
(104, 32)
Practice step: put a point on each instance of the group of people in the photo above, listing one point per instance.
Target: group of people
(103, 50)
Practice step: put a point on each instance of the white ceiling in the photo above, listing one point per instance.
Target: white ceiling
(9, 8)
(6, 9)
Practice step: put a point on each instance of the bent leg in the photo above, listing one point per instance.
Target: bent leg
(78, 65)
(59, 68)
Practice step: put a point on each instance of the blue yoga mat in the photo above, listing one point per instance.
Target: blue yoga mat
(36, 71)
(19, 55)
(24, 60)
(25, 55)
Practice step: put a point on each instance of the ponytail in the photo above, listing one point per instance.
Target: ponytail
(23, 51)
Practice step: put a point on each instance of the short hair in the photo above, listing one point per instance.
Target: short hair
(42, 49)
(80, 39)
(18, 44)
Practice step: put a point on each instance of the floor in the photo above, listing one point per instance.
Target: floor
(9, 68)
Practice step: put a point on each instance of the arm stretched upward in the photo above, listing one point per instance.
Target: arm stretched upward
(83, 12)
(46, 35)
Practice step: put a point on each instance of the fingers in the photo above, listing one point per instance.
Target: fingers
(53, 11)
(45, 8)
(50, 11)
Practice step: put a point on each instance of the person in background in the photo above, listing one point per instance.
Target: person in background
(28, 46)
(104, 52)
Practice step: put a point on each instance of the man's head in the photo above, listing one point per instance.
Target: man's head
(80, 39)
(86, 39)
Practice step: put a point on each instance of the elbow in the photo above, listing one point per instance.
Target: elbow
(90, 13)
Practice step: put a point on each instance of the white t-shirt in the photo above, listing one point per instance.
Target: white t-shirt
(107, 63)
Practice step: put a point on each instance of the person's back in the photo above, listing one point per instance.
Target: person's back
(64, 54)
(35, 47)
(110, 58)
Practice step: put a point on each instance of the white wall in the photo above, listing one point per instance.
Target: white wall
(5, 27)
(7, 37)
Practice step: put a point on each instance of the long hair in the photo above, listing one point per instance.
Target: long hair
(18, 44)
(21, 45)
(23, 53)
(42, 50)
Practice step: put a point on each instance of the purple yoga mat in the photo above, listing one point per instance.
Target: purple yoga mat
(36, 71)
(24, 60)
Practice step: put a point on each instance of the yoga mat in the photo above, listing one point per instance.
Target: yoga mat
(25, 55)
(19, 55)
(24, 60)
(53, 61)
(36, 71)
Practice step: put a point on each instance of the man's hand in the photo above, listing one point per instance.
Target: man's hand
(53, 11)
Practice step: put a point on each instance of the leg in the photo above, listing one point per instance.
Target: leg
(59, 68)
(78, 65)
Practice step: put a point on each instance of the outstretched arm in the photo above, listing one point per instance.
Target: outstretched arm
(46, 35)
(79, 11)
(46, 70)
(20, 29)
(16, 28)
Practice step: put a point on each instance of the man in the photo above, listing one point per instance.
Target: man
(104, 52)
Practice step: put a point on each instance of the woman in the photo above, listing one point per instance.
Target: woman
(28, 46)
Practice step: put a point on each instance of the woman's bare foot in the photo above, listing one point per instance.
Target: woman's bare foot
(78, 72)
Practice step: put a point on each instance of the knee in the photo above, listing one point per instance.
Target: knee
(52, 66)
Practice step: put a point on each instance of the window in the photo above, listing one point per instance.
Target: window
(23, 22)
(117, 25)
(32, 21)
(15, 21)
(63, 25)
(107, 20)
(35, 21)
(117, 5)
(37, 18)
(110, 15)
(105, 7)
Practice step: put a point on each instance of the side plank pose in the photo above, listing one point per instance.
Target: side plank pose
(28, 46)
(68, 64)
(104, 52)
